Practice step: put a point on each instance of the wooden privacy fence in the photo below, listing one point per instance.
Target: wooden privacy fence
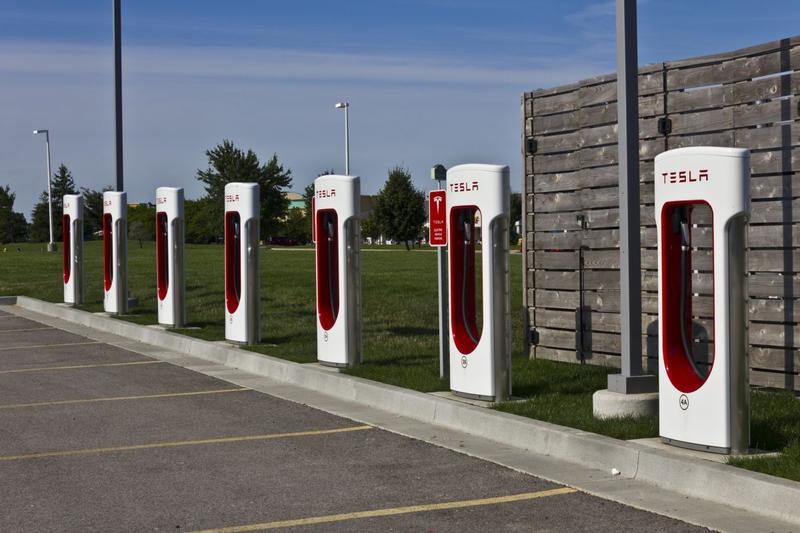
(746, 98)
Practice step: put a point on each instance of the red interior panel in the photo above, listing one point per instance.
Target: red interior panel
(108, 251)
(463, 320)
(162, 255)
(327, 245)
(66, 230)
(676, 363)
(233, 260)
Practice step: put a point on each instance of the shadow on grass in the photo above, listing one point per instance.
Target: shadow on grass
(412, 331)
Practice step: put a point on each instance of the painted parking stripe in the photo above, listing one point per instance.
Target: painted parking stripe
(122, 398)
(57, 345)
(393, 511)
(23, 330)
(175, 444)
(75, 367)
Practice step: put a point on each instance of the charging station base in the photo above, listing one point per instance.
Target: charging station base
(610, 404)
(659, 444)
(450, 395)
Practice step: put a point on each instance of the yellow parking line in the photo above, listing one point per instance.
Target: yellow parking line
(23, 330)
(174, 444)
(73, 367)
(121, 398)
(326, 519)
(49, 345)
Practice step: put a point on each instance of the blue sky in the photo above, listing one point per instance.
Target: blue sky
(428, 80)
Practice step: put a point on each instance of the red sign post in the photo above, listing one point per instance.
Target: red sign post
(437, 218)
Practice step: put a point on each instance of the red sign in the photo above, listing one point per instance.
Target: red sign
(437, 218)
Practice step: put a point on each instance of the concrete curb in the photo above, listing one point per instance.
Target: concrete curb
(751, 491)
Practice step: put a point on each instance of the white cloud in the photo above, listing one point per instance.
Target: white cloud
(179, 101)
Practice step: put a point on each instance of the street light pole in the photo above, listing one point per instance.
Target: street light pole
(51, 246)
(118, 91)
(346, 107)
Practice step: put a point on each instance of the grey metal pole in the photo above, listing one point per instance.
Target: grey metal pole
(347, 139)
(444, 315)
(51, 246)
(118, 91)
(631, 380)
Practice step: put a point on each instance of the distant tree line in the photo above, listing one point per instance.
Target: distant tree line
(398, 212)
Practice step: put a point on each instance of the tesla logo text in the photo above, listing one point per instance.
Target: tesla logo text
(684, 402)
(685, 176)
(231, 197)
(160, 201)
(326, 193)
(464, 186)
(107, 203)
(438, 201)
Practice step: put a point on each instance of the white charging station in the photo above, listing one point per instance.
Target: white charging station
(72, 227)
(478, 198)
(242, 279)
(337, 233)
(115, 252)
(703, 404)
(170, 257)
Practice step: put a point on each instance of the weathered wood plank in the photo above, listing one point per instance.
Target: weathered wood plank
(733, 70)
(781, 335)
(774, 310)
(721, 138)
(783, 236)
(556, 260)
(766, 88)
(780, 161)
(543, 124)
(545, 164)
(557, 103)
(765, 113)
(786, 261)
(760, 48)
(566, 142)
(782, 359)
(774, 380)
(768, 137)
(702, 121)
(766, 187)
(775, 212)
(695, 100)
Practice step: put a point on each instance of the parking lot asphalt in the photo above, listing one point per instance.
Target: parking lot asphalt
(94, 437)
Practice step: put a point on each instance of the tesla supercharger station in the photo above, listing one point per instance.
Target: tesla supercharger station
(72, 224)
(703, 404)
(480, 347)
(337, 234)
(115, 252)
(170, 257)
(242, 221)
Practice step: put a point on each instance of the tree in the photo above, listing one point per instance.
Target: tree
(203, 225)
(13, 226)
(62, 183)
(142, 222)
(92, 210)
(369, 228)
(400, 207)
(227, 164)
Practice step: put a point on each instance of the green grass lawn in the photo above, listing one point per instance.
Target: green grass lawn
(400, 331)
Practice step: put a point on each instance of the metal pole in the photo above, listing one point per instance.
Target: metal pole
(347, 139)
(51, 247)
(118, 91)
(630, 381)
(444, 318)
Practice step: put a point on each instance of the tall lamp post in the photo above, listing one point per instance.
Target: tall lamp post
(51, 246)
(346, 107)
